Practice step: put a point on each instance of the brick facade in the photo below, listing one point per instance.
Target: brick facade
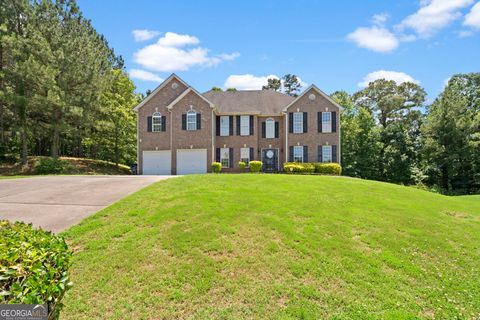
(176, 138)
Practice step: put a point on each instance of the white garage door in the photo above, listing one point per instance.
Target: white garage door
(191, 161)
(157, 162)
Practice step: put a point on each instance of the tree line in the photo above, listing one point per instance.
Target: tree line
(63, 91)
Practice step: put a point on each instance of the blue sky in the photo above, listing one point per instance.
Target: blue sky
(337, 45)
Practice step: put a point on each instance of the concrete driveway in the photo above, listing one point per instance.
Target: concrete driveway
(57, 202)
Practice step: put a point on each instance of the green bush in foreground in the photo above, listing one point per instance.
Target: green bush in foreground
(255, 166)
(242, 165)
(33, 266)
(309, 168)
(49, 165)
(216, 167)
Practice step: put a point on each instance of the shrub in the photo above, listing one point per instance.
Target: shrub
(255, 166)
(33, 266)
(216, 167)
(242, 165)
(298, 167)
(46, 165)
(328, 168)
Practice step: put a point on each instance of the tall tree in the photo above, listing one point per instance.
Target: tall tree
(272, 84)
(291, 85)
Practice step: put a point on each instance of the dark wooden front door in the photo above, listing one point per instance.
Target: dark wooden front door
(270, 160)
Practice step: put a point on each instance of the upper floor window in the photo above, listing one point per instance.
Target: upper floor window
(298, 154)
(270, 128)
(244, 125)
(156, 122)
(224, 125)
(326, 153)
(326, 122)
(298, 122)
(191, 120)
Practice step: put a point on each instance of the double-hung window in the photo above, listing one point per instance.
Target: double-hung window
(270, 128)
(225, 157)
(156, 122)
(326, 153)
(245, 155)
(326, 122)
(298, 122)
(244, 125)
(224, 126)
(191, 120)
(298, 154)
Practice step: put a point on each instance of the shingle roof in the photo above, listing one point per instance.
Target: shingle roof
(266, 102)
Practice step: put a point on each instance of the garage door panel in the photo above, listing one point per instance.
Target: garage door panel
(191, 161)
(157, 162)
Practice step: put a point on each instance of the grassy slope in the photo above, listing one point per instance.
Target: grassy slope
(278, 246)
(79, 166)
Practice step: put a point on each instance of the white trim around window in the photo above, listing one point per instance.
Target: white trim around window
(298, 122)
(270, 128)
(156, 122)
(326, 122)
(191, 120)
(224, 126)
(326, 153)
(245, 155)
(244, 125)
(225, 157)
(298, 154)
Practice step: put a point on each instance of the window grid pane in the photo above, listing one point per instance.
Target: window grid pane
(191, 121)
(244, 125)
(326, 153)
(245, 155)
(270, 129)
(298, 154)
(298, 122)
(326, 122)
(225, 157)
(156, 122)
(224, 125)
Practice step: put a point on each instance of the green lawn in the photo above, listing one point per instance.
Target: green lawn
(278, 247)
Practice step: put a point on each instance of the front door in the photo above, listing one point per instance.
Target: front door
(270, 160)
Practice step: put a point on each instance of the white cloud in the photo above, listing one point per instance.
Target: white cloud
(472, 19)
(433, 16)
(465, 33)
(144, 35)
(247, 81)
(144, 75)
(398, 77)
(374, 38)
(380, 19)
(168, 54)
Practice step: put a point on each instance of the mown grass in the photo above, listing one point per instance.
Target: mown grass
(278, 247)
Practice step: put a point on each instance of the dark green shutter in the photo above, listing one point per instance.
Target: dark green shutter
(305, 122)
(264, 129)
(305, 153)
(334, 153)
(184, 121)
(277, 133)
(164, 123)
(199, 121)
(290, 154)
(319, 121)
(149, 124)
(319, 153)
(217, 155)
(230, 123)
(231, 157)
(290, 122)
(252, 156)
(217, 125)
(334, 121)
(251, 125)
(238, 125)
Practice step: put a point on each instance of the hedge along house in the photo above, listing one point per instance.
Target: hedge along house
(182, 131)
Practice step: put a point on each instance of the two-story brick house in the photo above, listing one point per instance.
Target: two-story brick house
(182, 131)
